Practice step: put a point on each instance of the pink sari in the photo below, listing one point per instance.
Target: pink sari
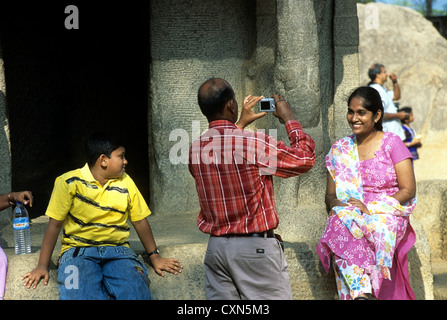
(377, 243)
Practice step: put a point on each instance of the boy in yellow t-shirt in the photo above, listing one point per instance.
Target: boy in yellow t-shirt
(93, 204)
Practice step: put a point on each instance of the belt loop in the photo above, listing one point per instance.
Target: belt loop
(76, 252)
(265, 234)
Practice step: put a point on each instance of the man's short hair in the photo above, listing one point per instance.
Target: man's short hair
(213, 95)
(101, 143)
(374, 70)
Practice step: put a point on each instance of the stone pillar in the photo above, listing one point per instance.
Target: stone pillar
(346, 64)
(297, 75)
(304, 72)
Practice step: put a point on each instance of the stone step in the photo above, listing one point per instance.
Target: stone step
(179, 238)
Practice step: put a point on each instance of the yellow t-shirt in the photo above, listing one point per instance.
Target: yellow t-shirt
(95, 215)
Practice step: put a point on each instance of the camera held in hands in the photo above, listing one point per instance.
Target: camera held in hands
(267, 105)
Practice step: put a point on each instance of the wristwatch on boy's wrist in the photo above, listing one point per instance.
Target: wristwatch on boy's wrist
(153, 252)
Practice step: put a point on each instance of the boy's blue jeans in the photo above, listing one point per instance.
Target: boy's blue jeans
(107, 272)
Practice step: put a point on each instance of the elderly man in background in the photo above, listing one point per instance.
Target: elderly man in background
(392, 118)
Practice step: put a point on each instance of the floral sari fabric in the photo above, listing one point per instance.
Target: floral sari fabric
(364, 241)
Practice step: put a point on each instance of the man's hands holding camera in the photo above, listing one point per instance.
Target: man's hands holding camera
(283, 110)
(247, 114)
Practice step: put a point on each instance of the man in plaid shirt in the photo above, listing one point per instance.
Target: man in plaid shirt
(233, 171)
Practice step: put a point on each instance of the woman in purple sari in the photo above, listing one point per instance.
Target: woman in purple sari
(370, 194)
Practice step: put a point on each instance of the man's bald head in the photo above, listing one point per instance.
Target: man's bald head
(213, 96)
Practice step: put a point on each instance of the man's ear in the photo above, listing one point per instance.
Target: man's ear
(231, 106)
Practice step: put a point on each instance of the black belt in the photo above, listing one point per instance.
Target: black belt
(266, 234)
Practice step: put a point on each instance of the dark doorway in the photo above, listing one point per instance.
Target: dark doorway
(63, 85)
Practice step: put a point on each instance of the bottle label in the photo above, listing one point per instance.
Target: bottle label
(20, 223)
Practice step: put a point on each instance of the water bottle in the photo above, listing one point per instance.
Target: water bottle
(22, 235)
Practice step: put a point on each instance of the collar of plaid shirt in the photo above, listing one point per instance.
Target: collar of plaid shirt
(233, 171)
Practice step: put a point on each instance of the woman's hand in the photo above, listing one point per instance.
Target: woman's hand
(336, 203)
(359, 204)
(25, 197)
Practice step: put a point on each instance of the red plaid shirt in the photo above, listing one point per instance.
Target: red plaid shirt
(233, 171)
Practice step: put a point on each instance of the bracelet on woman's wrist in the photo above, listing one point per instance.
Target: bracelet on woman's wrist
(333, 201)
(10, 200)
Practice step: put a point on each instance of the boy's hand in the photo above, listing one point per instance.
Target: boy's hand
(167, 264)
(33, 278)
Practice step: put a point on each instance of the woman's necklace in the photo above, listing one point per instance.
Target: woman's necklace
(368, 149)
(366, 155)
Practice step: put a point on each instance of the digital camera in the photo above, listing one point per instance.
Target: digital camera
(267, 105)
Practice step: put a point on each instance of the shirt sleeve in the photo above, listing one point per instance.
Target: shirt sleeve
(386, 97)
(61, 200)
(284, 161)
(138, 208)
(399, 151)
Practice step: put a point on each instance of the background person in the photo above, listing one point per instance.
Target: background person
(412, 140)
(391, 118)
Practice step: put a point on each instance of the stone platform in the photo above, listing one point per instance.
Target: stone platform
(177, 236)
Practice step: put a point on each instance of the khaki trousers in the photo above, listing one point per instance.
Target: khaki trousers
(246, 268)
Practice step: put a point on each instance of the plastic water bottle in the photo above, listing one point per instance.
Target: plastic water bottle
(22, 235)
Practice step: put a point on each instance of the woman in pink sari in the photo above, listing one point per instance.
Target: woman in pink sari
(370, 194)
(6, 201)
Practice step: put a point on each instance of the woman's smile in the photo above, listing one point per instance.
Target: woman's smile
(359, 118)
